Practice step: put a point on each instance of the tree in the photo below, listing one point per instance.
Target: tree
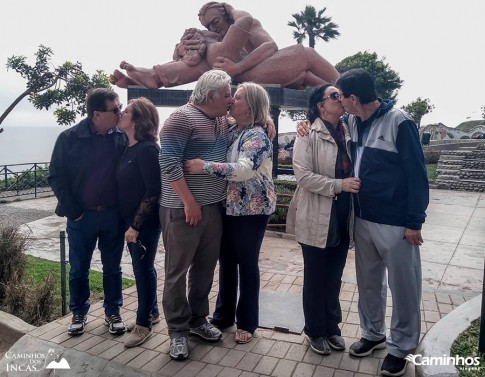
(483, 111)
(312, 25)
(418, 108)
(64, 86)
(387, 80)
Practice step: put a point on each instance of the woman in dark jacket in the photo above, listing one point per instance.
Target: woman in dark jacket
(138, 177)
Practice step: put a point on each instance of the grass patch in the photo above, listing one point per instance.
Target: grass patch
(431, 170)
(466, 345)
(38, 269)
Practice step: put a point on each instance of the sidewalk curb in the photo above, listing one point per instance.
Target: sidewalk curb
(439, 339)
(13, 327)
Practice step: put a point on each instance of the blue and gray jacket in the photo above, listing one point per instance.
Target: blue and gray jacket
(389, 160)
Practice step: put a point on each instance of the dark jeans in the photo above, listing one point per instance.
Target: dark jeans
(145, 272)
(323, 270)
(106, 229)
(242, 237)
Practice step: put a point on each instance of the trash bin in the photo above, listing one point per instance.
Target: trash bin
(425, 137)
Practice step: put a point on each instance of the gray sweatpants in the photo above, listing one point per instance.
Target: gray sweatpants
(193, 249)
(379, 247)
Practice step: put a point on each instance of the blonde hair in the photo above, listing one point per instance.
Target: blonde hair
(258, 101)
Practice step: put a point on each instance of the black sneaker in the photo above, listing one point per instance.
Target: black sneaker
(365, 347)
(336, 342)
(393, 366)
(78, 324)
(115, 324)
(319, 345)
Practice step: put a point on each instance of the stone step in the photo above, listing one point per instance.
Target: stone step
(473, 170)
(448, 167)
(448, 177)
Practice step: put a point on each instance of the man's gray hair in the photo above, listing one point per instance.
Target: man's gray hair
(210, 81)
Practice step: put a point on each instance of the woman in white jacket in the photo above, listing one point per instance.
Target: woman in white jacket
(320, 215)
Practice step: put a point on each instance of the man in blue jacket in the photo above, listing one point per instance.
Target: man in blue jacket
(390, 210)
(82, 176)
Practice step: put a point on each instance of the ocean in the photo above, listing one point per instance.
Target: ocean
(26, 145)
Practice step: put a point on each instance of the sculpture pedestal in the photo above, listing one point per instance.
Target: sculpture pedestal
(281, 99)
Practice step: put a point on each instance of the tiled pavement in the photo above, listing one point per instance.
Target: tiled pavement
(452, 274)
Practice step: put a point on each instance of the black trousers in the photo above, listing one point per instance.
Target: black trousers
(323, 270)
(242, 237)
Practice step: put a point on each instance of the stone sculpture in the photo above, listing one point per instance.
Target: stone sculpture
(236, 43)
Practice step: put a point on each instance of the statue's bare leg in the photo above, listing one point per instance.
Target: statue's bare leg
(320, 67)
(121, 80)
(146, 76)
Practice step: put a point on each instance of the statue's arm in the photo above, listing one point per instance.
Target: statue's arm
(246, 32)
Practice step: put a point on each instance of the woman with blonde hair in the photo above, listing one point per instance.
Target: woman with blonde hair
(251, 199)
(138, 177)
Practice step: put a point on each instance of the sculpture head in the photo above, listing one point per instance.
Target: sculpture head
(215, 17)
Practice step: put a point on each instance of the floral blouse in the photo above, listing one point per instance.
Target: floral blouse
(250, 190)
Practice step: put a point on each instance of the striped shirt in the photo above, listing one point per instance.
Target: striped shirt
(189, 133)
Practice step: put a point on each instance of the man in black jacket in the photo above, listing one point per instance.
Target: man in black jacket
(82, 176)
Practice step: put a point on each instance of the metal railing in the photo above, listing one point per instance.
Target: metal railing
(24, 179)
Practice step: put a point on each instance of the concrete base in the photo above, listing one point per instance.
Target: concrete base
(439, 339)
(12, 329)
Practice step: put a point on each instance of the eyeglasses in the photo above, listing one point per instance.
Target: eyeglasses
(115, 111)
(335, 96)
(143, 249)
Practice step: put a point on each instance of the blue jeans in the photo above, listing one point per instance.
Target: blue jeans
(145, 272)
(106, 229)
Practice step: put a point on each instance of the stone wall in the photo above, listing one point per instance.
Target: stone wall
(463, 169)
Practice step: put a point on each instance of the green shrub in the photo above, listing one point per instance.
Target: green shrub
(279, 216)
(12, 257)
(431, 156)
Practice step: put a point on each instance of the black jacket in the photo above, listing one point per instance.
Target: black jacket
(71, 160)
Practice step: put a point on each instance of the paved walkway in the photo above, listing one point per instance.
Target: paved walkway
(452, 259)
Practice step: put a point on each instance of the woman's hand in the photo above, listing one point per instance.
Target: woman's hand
(194, 166)
(351, 184)
(303, 127)
(131, 235)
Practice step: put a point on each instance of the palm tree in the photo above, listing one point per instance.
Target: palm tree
(309, 23)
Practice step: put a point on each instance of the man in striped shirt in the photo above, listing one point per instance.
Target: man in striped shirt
(190, 209)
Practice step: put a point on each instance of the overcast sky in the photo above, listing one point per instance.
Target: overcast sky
(436, 47)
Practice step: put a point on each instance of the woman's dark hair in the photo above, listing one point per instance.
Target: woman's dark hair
(358, 82)
(316, 96)
(145, 115)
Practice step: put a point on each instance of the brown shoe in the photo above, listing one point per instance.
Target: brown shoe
(139, 335)
(132, 325)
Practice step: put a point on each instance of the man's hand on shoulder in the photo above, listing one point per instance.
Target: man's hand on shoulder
(303, 128)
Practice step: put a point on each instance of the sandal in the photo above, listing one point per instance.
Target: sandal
(242, 336)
